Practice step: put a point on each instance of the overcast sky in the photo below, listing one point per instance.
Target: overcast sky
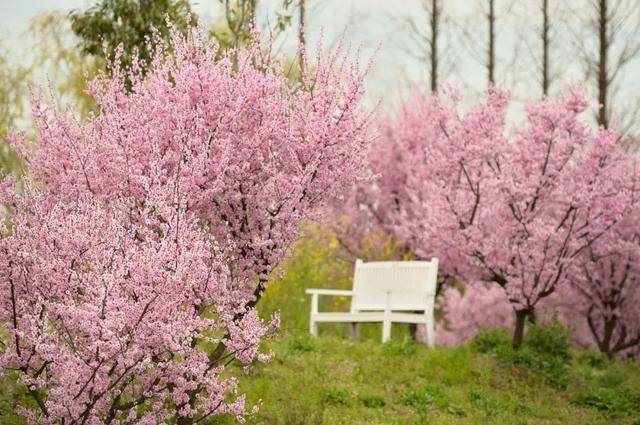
(374, 25)
(381, 26)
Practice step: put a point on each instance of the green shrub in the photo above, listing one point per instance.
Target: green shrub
(600, 398)
(551, 340)
(490, 340)
(552, 369)
(336, 396)
(612, 377)
(373, 401)
(480, 401)
(456, 410)
(521, 409)
(546, 350)
(417, 399)
(592, 358)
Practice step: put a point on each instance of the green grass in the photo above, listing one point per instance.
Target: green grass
(333, 380)
(336, 381)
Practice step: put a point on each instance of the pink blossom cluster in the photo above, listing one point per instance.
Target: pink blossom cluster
(521, 208)
(104, 305)
(133, 258)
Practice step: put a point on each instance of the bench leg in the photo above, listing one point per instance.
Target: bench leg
(355, 331)
(431, 332)
(313, 326)
(386, 322)
(386, 331)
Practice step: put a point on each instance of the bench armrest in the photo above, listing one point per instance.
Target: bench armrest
(337, 292)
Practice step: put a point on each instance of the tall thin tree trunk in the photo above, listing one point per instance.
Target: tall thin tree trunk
(545, 47)
(603, 80)
(301, 38)
(491, 50)
(433, 44)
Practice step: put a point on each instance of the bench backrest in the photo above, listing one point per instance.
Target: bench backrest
(411, 284)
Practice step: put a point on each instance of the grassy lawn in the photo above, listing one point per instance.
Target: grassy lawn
(333, 380)
(336, 381)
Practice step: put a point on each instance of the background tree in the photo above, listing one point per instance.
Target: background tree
(491, 41)
(467, 310)
(545, 40)
(606, 286)
(127, 22)
(434, 24)
(605, 40)
(13, 89)
(236, 23)
(485, 51)
(492, 34)
(515, 212)
(302, 42)
(58, 60)
(429, 41)
(238, 20)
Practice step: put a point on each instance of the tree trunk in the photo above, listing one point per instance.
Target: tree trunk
(545, 47)
(491, 50)
(518, 332)
(605, 345)
(301, 39)
(532, 316)
(603, 77)
(433, 44)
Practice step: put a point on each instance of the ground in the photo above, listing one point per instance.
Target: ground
(334, 380)
(337, 381)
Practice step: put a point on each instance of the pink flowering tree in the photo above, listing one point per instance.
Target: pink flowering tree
(132, 265)
(605, 292)
(516, 211)
(104, 305)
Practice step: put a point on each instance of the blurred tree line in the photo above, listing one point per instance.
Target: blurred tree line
(517, 42)
(597, 39)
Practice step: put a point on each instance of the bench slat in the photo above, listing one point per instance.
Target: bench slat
(337, 292)
(369, 317)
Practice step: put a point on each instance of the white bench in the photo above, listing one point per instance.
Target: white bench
(385, 292)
